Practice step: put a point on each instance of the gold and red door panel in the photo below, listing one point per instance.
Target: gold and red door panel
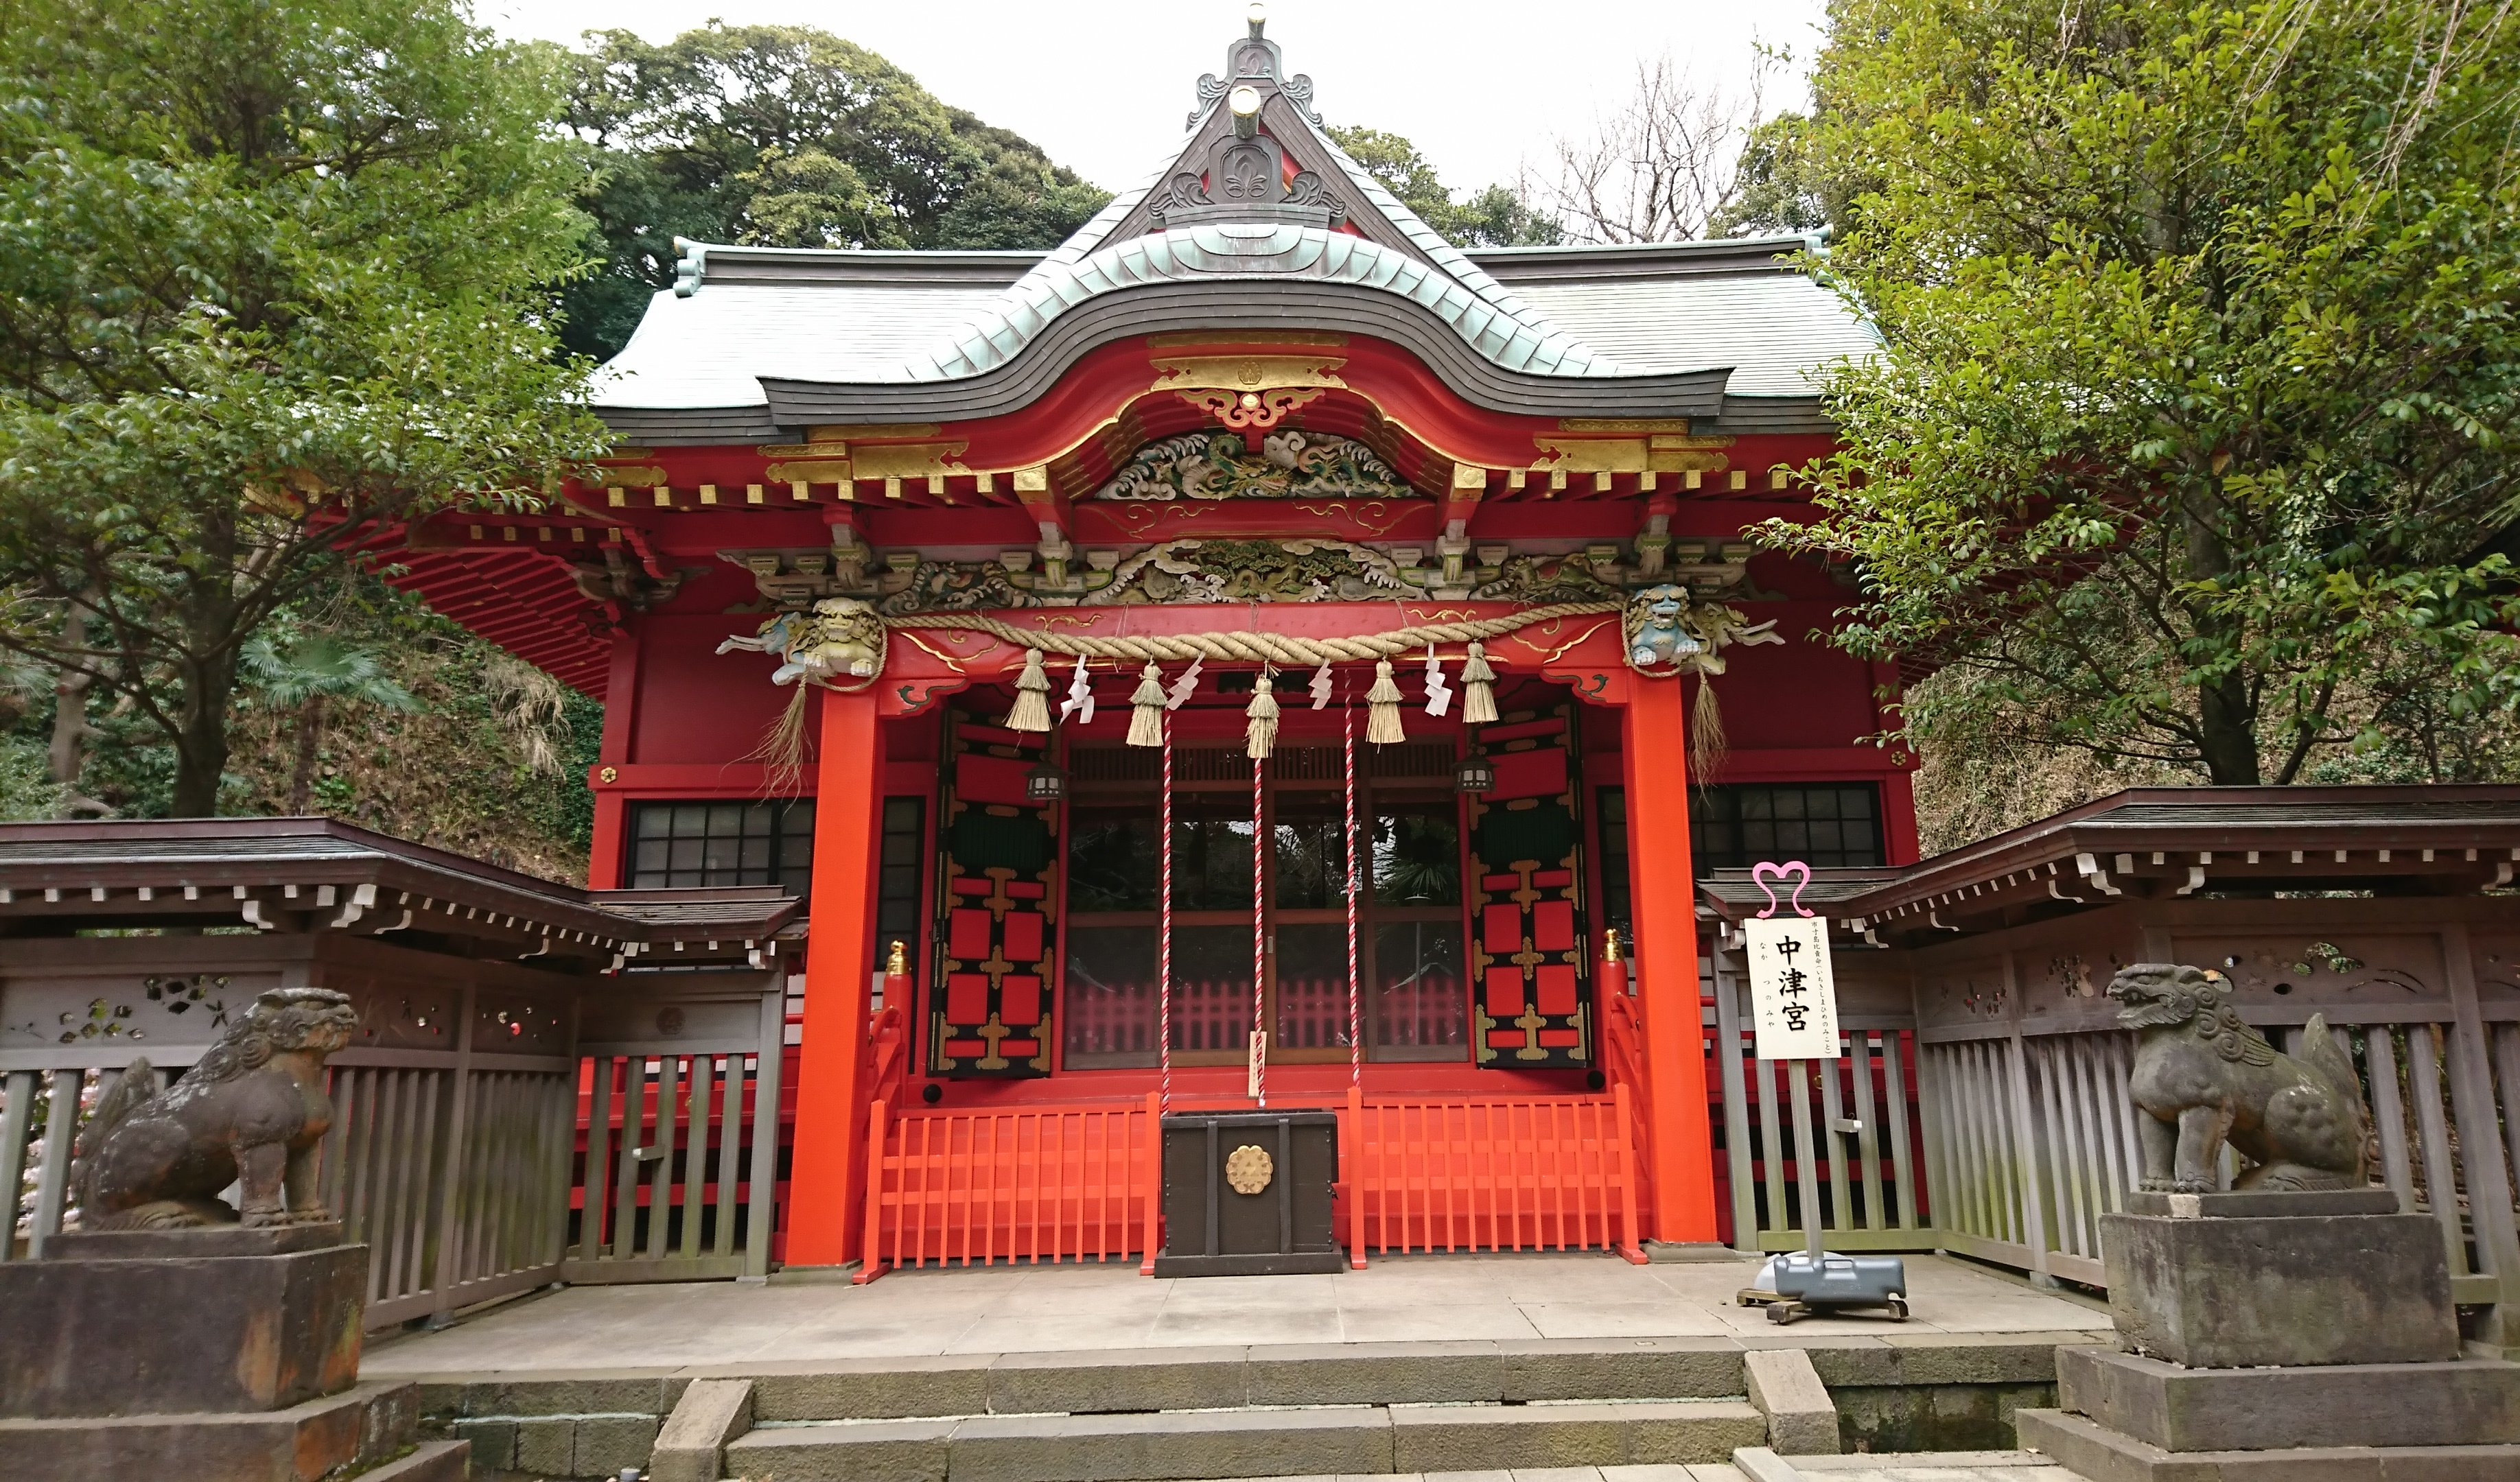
(997, 911)
(1528, 966)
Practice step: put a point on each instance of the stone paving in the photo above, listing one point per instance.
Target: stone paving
(1025, 1308)
(1946, 1466)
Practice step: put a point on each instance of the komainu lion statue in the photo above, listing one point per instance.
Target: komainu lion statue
(252, 1112)
(2203, 1077)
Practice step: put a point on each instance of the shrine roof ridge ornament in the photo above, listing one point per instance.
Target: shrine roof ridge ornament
(1508, 337)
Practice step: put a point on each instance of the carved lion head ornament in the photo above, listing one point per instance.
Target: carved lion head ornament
(837, 641)
(1669, 635)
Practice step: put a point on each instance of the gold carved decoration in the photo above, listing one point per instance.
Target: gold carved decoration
(810, 471)
(816, 449)
(1652, 453)
(634, 478)
(1248, 1169)
(1249, 409)
(909, 460)
(1245, 372)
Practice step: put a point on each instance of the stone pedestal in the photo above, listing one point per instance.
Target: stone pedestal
(2267, 1346)
(205, 1354)
(2343, 1280)
(119, 1322)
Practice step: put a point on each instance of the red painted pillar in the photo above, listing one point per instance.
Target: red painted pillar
(1663, 892)
(607, 868)
(823, 1192)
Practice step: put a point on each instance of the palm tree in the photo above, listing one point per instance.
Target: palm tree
(317, 670)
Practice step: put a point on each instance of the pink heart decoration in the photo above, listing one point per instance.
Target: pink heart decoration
(1791, 870)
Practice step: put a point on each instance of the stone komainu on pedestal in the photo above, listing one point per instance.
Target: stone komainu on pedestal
(2299, 1328)
(252, 1112)
(172, 1336)
(2202, 1078)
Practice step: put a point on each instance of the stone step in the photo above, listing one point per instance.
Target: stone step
(1304, 1440)
(301, 1443)
(1089, 1382)
(431, 1461)
(2100, 1454)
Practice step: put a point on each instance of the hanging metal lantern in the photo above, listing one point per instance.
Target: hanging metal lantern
(1044, 783)
(1475, 774)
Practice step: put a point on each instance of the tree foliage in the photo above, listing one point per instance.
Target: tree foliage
(272, 278)
(785, 136)
(2192, 421)
(1497, 216)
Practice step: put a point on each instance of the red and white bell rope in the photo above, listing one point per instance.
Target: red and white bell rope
(1259, 942)
(1164, 928)
(1354, 1016)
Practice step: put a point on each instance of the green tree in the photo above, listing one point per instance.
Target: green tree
(2199, 371)
(1497, 216)
(785, 136)
(308, 678)
(274, 279)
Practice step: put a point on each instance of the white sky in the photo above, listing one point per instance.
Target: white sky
(1481, 87)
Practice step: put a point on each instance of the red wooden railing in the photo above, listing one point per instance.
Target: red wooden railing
(1072, 1182)
(1553, 1173)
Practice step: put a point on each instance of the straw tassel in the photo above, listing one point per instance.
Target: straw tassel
(1147, 708)
(1706, 744)
(1032, 692)
(782, 752)
(1260, 734)
(1478, 693)
(1383, 707)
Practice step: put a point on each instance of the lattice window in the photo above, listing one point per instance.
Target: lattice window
(1735, 825)
(722, 843)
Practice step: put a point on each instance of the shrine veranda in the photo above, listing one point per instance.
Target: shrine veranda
(1256, 397)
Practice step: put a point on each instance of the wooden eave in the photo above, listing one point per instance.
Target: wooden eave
(298, 876)
(2168, 844)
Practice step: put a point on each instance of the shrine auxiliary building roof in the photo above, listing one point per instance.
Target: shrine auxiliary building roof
(1257, 223)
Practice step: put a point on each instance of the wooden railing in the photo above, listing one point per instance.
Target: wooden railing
(1074, 1182)
(1476, 1174)
(679, 1152)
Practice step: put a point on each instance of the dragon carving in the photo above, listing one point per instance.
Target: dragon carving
(252, 1112)
(2203, 1077)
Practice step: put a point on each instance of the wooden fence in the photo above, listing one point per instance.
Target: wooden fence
(2022, 1069)
(470, 1115)
(1079, 1181)
(1835, 1139)
(1555, 1173)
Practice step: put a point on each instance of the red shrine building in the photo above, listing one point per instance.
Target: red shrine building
(1257, 653)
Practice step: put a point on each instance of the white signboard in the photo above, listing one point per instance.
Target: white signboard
(1793, 1000)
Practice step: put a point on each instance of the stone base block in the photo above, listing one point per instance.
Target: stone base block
(1470, 1438)
(145, 1322)
(2468, 1402)
(2093, 1451)
(300, 1444)
(2234, 1292)
(430, 1462)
